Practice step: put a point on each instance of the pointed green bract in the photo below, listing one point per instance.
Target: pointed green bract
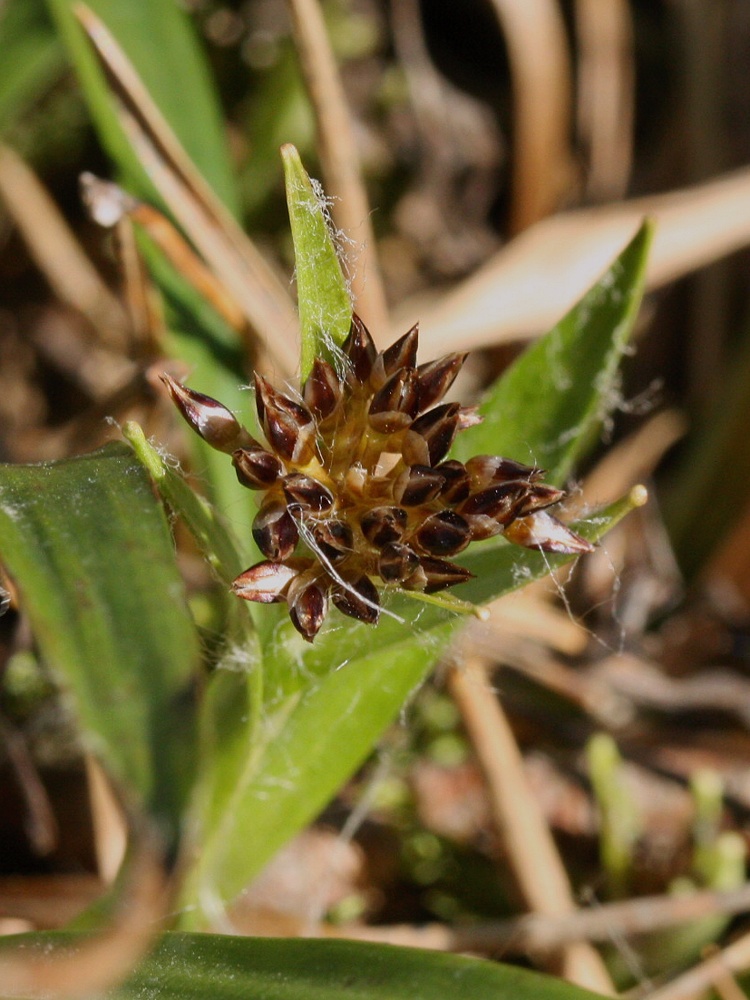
(324, 304)
(548, 407)
(89, 549)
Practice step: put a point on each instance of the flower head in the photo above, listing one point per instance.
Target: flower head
(356, 490)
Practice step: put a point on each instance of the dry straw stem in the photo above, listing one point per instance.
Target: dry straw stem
(339, 158)
(694, 983)
(606, 80)
(57, 252)
(104, 959)
(542, 99)
(538, 933)
(531, 852)
(529, 284)
(222, 243)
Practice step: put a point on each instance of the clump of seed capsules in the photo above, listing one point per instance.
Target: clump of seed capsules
(356, 491)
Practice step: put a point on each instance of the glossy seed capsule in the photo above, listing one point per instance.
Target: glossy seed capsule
(209, 418)
(335, 539)
(306, 493)
(395, 404)
(443, 534)
(431, 435)
(382, 525)
(266, 582)
(457, 484)
(359, 600)
(544, 532)
(401, 354)
(275, 531)
(417, 485)
(440, 574)
(308, 606)
(360, 349)
(487, 469)
(436, 377)
(322, 392)
(397, 562)
(256, 468)
(288, 425)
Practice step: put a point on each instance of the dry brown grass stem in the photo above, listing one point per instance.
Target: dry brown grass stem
(606, 81)
(694, 983)
(529, 284)
(224, 246)
(339, 159)
(104, 959)
(540, 933)
(57, 252)
(542, 100)
(530, 850)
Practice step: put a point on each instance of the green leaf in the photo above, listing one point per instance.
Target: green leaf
(326, 705)
(207, 966)
(325, 308)
(32, 57)
(549, 406)
(159, 40)
(90, 552)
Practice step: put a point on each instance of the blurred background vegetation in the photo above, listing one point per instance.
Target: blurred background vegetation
(508, 150)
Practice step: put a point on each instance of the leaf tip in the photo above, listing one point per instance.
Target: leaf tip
(638, 496)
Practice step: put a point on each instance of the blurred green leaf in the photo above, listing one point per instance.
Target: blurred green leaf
(90, 551)
(325, 308)
(32, 57)
(159, 40)
(549, 406)
(206, 967)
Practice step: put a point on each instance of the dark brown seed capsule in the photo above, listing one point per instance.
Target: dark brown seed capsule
(538, 497)
(485, 470)
(382, 525)
(275, 531)
(288, 425)
(256, 468)
(457, 483)
(441, 574)
(395, 404)
(544, 532)
(417, 485)
(209, 418)
(443, 534)
(266, 582)
(322, 392)
(335, 539)
(359, 600)
(397, 562)
(482, 526)
(306, 492)
(496, 501)
(431, 435)
(401, 354)
(436, 377)
(308, 607)
(360, 350)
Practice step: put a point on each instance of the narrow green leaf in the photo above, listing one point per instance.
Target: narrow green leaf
(160, 42)
(547, 408)
(90, 551)
(32, 57)
(207, 966)
(324, 304)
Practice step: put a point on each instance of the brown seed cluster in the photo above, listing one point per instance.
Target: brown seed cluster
(356, 489)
